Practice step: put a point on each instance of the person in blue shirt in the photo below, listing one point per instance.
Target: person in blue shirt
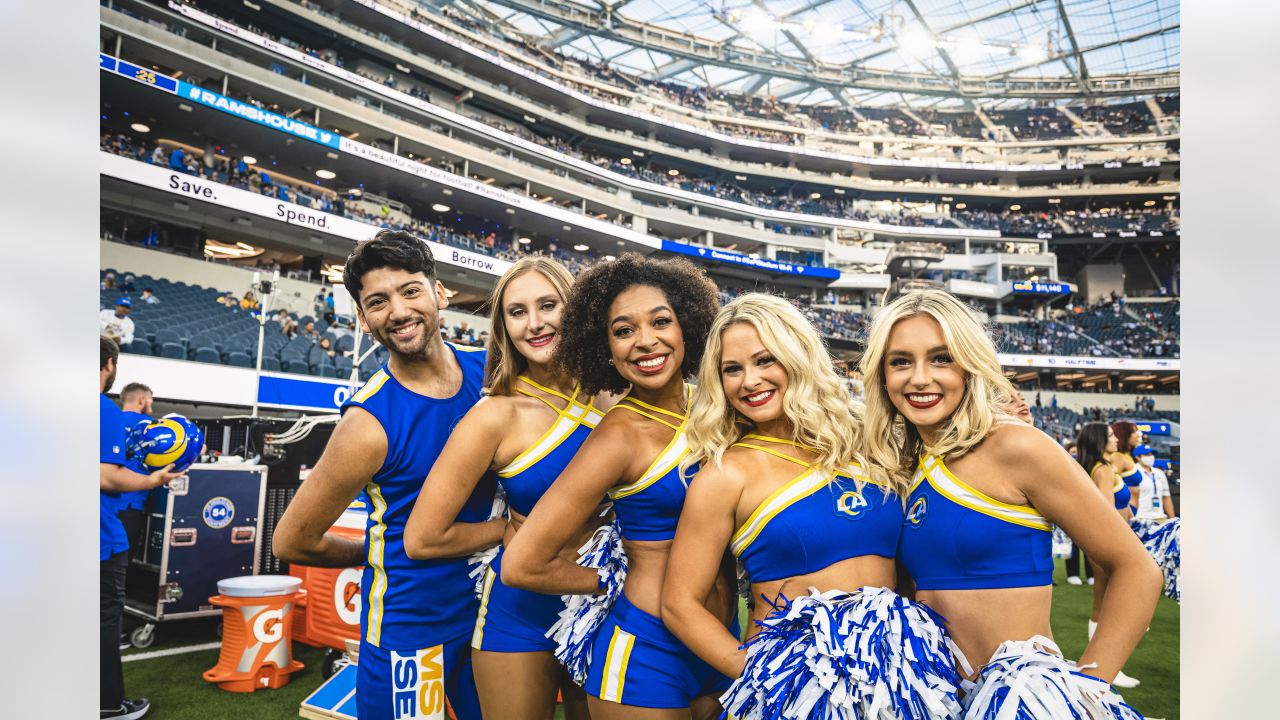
(135, 406)
(416, 616)
(115, 478)
(178, 160)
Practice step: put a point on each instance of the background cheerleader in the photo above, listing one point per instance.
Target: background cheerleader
(1128, 437)
(641, 323)
(783, 485)
(986, 493)
(1096, 449)
(525, 431)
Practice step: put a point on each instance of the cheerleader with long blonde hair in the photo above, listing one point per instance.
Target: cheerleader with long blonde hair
(985, 491)
(783, 485)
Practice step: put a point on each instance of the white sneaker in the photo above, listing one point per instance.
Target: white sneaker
(1074, 580)
(1124, 681)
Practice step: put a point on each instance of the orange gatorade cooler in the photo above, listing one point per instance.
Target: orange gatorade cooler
(332, 603)
(257, 613)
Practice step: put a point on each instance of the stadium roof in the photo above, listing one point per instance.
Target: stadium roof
(924, 53)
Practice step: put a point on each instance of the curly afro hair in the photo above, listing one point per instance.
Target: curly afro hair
(583, 350)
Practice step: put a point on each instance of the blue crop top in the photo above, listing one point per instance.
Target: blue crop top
(649, 508)
(813, 521)
(531, 473)
(1120, 490)
(956, 538)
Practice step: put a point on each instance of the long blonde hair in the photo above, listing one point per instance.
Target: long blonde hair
(896, 444)
(505, 363)
(821, 410)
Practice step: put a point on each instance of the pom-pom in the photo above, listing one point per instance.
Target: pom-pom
(1162, 540)
(575, 630)
(481, 560)
(1030, 680)
(848, 656)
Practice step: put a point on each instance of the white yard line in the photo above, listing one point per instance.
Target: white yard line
(171, 651)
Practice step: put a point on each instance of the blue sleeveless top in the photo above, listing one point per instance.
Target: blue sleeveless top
(415, 604)
(956, 538)
(531, 473)
(815, 520)
(1120, 490)
(649, 508)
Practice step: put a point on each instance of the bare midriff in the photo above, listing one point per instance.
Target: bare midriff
(979, 620)
(646, 566)
(846, 575)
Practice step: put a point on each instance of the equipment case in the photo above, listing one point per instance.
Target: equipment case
(203, 528)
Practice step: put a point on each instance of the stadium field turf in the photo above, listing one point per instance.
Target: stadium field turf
(177, 691)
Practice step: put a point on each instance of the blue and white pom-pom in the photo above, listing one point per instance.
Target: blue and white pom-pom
(480, 561)
(575, 631)
(1030, 680)
(870, 654)
(1162, 540)
(1061, 543)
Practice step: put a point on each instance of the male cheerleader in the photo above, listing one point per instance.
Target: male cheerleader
(416, 616)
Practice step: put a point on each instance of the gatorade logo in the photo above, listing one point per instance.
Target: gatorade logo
(346, 596)
(417, 684)
(267, 627)
(919, 510)
(852, 504)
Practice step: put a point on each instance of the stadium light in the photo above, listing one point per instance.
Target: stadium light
(440, 207)
(1149, 203)
(325, 174)
(250, 160)
(915, 42)
(525, 241)
(1032, 53)
(1015, 207)
(815, 196)
(961, 206)
(673, 172)
(139, 127)
(1054, 201)
(625, 161)
(609, 258)
(580, 247)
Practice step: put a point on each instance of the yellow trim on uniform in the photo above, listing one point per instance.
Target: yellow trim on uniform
(615, 665)
(464, 348)
(540, 449)
(477, 635)
(568, 418)
(377, 549)
(655, 472)
(371, 386)
(998, 510)
(1020, 508)
(766, 512)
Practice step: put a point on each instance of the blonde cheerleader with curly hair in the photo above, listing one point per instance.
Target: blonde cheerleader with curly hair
(783, 486)
(985, 491)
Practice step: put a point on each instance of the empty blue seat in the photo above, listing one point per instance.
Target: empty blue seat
(173, 350)
(270, 364)
(207, 355)
(139, 346)
(239, 359)
(168, 336)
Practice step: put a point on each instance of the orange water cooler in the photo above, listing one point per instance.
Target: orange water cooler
(257, 616)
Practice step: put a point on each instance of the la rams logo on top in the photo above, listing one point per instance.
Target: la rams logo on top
(218, 512)
(852, 504)
(918, 511)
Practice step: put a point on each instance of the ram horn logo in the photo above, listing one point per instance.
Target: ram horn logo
(702, 251)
